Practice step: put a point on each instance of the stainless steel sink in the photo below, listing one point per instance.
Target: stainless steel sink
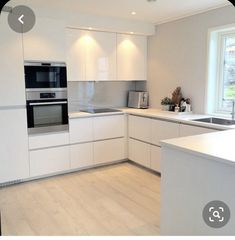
(220, 121)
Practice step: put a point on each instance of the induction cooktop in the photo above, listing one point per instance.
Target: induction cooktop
(100, 110)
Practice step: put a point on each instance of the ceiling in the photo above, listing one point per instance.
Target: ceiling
(156, 12)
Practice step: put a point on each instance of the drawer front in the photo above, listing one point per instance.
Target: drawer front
(109, 150)
(47, 161)
(139, 152)
(81, 130)
(155, 162)
(139, 128)
(186, 130)
(162, 130)
(109, 127)
(48, 140)
(81, 155)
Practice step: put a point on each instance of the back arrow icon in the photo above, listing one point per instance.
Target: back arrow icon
(20, 19)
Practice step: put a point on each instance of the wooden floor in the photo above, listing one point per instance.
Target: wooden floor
(116, 200)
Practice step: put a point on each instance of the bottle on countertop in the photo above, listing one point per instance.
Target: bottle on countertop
(177, 108)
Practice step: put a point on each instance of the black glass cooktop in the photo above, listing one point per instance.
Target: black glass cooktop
(100, 110)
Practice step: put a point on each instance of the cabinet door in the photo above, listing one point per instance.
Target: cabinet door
(100, 56)
(14, 162)
(109, 150)
(81, 130)
(81, 155)
(46, 41)
(155, 162)
(131, 57)
(139, 152)
(187, 130)
(139, 128)
(109, 127)
(48, 161)
(12, 90)
(76, 54)
(162, 130)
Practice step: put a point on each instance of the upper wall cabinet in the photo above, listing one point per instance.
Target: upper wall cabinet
(46, 41)
(91, 56)
(12, 90)
(131, 57)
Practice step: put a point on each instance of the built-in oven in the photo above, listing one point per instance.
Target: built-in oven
(41, 75)
(47, 111)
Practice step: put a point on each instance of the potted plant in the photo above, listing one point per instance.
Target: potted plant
(166, 103)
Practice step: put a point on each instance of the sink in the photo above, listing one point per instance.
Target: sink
(220, 121)
(100, 110)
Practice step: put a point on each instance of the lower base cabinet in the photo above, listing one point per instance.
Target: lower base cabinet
(139, 152)
(155, 158)
(109, 150)
(81, 155)
(48, 161)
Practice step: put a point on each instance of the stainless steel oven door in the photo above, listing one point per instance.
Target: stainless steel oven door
(47, 116)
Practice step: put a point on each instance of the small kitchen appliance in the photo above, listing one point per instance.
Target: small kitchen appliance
(138, 99)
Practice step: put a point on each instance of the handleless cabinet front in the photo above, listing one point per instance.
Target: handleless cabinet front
(108, 127)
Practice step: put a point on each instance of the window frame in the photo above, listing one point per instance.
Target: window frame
(215, 73)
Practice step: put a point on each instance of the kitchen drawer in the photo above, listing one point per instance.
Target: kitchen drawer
(81, 155)
(48, 161)
(109, 127)
(48, 140)
(109, 150)
(81, 130)
(162, 130)
(139, 128)
(139, 152)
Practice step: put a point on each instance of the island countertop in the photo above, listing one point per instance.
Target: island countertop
(217, 146)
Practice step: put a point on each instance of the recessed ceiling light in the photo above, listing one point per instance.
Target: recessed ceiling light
(131, 32)
(90, 28)
(133, 13)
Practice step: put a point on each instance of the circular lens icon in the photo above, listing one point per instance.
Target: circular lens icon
(21, 19)
(216, 214)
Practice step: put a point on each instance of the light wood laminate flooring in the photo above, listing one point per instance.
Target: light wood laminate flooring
(116, 200)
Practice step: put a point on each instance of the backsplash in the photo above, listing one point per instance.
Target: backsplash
(101, 94)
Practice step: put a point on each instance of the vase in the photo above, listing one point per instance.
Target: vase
(165, 107)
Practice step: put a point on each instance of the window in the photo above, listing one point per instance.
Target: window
(221, 74)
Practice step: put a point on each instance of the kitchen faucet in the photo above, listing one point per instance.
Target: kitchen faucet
(233, 107)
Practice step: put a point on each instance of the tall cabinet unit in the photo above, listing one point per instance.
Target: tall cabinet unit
(46, 41)
(14, 163)
(131, 57)
(91, 55)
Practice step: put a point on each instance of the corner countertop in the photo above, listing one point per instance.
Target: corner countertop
(217, 146)
(185, 118)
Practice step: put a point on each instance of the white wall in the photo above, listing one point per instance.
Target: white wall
(178, 56)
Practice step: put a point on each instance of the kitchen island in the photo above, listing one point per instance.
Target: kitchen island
(196, 170)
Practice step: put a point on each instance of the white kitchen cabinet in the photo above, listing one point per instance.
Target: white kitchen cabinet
(162, 130)
(46, 41)
(131, 57)
(101, 56)
(81, 130)
(14, 161)
(91, 55)
(76, 54)
(48, 140)
(49, 161)
(109, 127)
(81, 155)
(12, 90)
(109, 150)
(188, 130)
(155, 159)
(139, 128)
(139, 152)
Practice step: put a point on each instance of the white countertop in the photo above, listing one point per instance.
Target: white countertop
(217, 146)
(158, 114)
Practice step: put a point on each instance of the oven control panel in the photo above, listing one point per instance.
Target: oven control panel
(47, 95)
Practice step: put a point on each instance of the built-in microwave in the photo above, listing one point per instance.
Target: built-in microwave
(41, 75)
